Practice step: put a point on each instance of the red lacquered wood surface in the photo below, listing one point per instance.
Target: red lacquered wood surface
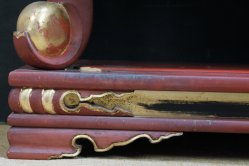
(126, 78)
(37, 107)
(218, 125)
(43, 144)
(80, 13)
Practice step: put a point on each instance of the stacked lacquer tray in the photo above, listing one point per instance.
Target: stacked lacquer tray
(113, 104)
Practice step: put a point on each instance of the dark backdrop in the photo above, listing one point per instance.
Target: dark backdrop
(195, 31)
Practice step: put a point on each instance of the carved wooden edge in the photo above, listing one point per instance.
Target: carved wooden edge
(42, 143)
(80, 13)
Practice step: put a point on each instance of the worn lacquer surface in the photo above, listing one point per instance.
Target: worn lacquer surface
(52, 35)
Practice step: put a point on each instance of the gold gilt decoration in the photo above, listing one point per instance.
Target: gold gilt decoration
(133, 102)
(47, 101)
(137, 103)
(90, 69)
(78, 148)
(24, 99)
(71, 101)
(48, 26)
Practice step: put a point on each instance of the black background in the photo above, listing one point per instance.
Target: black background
(191, 31)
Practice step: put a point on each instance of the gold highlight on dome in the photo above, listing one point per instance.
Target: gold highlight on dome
(48, 26)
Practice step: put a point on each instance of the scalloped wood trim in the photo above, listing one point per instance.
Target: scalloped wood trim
(78, 148)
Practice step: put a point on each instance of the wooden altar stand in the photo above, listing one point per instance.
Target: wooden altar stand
(58, 101)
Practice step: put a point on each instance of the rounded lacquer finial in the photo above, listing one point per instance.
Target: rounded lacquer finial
(53, 34)
(48, 26)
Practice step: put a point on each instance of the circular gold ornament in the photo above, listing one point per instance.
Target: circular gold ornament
(48, 26)
(71, 100)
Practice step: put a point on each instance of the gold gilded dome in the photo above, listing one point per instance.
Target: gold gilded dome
(48, 25)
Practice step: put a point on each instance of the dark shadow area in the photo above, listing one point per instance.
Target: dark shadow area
(203, 145)
(193, 31)
(219, 109)
(9, 11)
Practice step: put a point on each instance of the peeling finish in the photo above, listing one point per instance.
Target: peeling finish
(18, 34)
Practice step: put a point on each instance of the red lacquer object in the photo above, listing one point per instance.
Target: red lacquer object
(80, 13)
(109, 103)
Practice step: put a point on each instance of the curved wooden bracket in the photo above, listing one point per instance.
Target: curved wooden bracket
(80, 14)
(44, 143)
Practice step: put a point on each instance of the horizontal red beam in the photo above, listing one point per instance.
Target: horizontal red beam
(164, 79)
(130, 123)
